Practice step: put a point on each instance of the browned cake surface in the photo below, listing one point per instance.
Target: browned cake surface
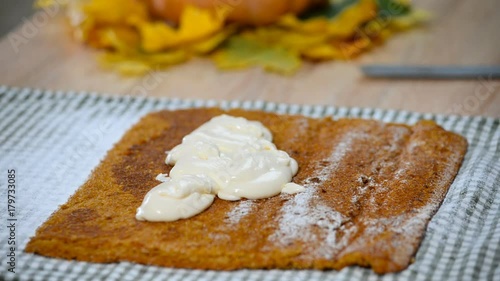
(371, 189)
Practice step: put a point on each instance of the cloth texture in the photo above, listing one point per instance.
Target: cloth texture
(54, 139)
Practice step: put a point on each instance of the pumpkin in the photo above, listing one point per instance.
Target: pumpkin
(251, 12)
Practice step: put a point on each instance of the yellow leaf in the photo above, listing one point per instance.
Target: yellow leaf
(165, 58)
(120, 38)
(157, 36)
(123, 65)
(345, 24)
(213, 42)
(314, 25)
(116, 11)
(195, 25)
(138, 64)
(93, 20)
(84, 32)
(132, 68)
(242, 53)
(323, 52)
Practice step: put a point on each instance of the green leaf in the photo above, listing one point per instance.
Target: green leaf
(241, 52)
(334, 7)
(392, 8)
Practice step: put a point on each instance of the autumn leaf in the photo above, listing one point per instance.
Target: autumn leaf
(346, 22)
(394, 8)
(134, 42)
(120, 38)
(116, 12)
(318, 38)
(211, 43)
(139, 63)
(195, 25)
(241, 52)
(339, 19)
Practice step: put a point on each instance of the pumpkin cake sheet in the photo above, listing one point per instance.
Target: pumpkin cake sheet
(370, 190)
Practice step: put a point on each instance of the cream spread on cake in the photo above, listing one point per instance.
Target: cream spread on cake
(230, 157)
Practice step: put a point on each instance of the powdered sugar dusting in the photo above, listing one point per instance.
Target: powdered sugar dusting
(297, 219)
(410, 223)
(335, 158)
(239, 211)
(301, 221)
(398, 137)
(449, 171)
(407, 225)
(306, 220)
(416, 144)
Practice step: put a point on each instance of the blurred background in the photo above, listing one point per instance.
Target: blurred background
(43, 53)
(12, 13)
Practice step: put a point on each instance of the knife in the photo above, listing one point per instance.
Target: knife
(431, 72)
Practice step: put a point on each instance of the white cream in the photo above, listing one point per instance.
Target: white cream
(230, 157)
(292, 188)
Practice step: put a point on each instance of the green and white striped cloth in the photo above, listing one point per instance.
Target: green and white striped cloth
(53, 140)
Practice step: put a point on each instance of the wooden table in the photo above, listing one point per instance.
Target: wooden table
(40, 53)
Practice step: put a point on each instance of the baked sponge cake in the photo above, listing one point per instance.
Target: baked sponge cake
(370, 190)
